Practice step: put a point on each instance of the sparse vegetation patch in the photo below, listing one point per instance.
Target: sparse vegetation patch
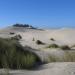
(65, 47)
(69, 56)
(12, 33)
(17, 37)
(53, 46)
(52, 39)
(39, 42)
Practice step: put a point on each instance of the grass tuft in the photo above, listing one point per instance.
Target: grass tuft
(14, 56)
(65, 47)
(53, 46)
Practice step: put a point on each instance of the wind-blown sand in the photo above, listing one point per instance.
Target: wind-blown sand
(64, 36)
(65, 68)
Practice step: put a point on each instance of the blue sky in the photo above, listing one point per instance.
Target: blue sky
(39, 13)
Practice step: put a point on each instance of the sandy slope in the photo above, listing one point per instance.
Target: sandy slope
(48, 69)
(61, 36)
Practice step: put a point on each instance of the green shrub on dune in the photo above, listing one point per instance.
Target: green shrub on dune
(52, 39)
(65, 47)
(14, 56)
(52, 46)
(39, 42)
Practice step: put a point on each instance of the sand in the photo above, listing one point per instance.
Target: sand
(62, 36)
(65, 68)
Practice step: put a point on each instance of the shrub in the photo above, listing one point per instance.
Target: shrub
(12, 33)
(14, 56)
(17, 37)
(65, 47)
(39, 42)
(20, 37)
(52, 39)
(53, 46)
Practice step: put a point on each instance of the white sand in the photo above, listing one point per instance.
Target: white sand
(64, 36)
(65, 68)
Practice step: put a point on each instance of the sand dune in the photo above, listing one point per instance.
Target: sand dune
(63, 36)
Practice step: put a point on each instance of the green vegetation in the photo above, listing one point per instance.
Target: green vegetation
(69, 56)
(14, 56)
(53, 46)
(17, 37)
(24, 25)
(39, 42)
(65, 47)
(52, 39)
(12, 33)
(52, 59)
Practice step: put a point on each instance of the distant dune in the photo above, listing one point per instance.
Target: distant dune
(62, 36)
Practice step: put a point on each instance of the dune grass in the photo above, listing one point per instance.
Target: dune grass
(65, 47)
(14, 56)
(67, 57)
(16, 37)
(52, 58)
(52, 46)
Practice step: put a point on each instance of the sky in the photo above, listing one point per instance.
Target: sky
(39, 13)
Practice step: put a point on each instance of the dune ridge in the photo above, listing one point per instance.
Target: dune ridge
(63, 36)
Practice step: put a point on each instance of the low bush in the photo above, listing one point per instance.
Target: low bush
(65, 47)
(67, 57)
(12, 33)
(14, 56)
(53, 46)
(52, 39)
(39, 42)
(17, 37)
